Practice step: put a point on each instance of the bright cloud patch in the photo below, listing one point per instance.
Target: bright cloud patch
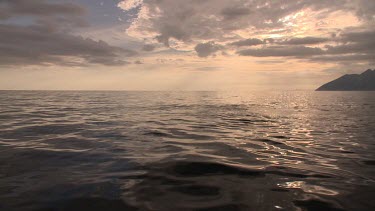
(130, 4)
(250, 28)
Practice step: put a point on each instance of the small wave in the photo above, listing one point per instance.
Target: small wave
(92, 204)
(199, 169)
(315, 204)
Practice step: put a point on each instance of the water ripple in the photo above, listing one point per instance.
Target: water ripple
(186, 150)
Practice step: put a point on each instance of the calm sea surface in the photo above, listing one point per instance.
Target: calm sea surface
(187, 150)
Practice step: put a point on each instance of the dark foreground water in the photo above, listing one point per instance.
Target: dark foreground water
(187, 151)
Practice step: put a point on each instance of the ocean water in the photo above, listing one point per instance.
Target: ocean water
(71, 150)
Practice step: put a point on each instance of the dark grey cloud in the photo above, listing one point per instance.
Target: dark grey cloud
(148, 47)
(351, 45)
(353, 48)
(39, 8)
(35, 45)
(362, 35)
(366, 9)
(44, 11)
(354, 42)
(305, 41)
(281, 51)
(45, 38)
(271, 62)
(248, 42)
(234, 12)
(206, 49)
(284, 42)
(168, 31)
(344, 58)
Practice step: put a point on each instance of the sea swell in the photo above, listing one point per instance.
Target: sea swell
(186, 150)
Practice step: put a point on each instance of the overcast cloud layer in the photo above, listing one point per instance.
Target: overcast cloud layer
(46, 32)
(38, 32)
(258, 28)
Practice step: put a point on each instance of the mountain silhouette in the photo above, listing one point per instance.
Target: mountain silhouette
(352, 82)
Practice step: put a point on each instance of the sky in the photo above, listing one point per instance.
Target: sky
(183, 44)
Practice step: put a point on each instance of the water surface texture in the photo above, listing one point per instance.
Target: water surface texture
(187, 150)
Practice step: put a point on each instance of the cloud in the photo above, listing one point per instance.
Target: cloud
(344, 58)
(35, 45)
(354, 45)
(248, 42)
(191, 20)
(46, 40)
(360, 41)
(43, 10)
(365, 9)
(206, 49)
(282, 51)
(267, 28)
(305, 41)
(359, 35)
(255, 28)
(148, 47)
(172, 31)
(130, 4)
(39, 8)
(234, 12)
(208, 68)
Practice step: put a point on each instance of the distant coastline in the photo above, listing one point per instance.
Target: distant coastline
(352, 82)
